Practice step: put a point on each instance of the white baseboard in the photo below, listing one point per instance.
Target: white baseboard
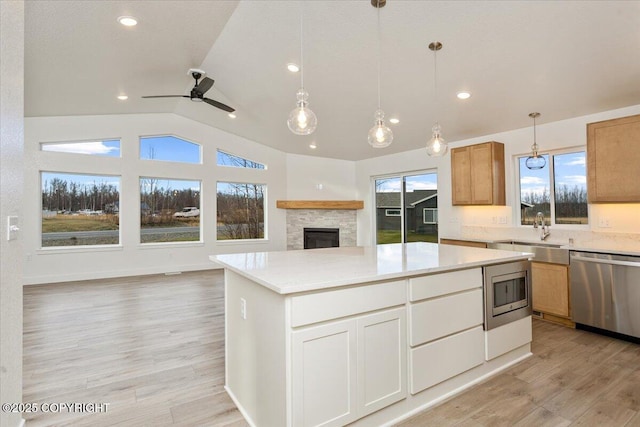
(246, 416)
(39, 280)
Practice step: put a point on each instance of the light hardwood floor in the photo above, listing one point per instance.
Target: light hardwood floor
(153, 348)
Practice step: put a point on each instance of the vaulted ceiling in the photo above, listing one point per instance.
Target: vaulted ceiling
(561, 58)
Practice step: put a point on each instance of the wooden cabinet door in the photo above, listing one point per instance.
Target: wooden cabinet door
(382, 366)
(477, 174)
(461, 176)
(550, 288)
(324, 374)
(481, 174)
(613, 160)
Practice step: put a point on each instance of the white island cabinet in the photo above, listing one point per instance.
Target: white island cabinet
(362, 335)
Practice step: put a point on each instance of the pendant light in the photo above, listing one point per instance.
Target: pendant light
(302, 121)
(535, 160)
(380, 136)
(436, 146)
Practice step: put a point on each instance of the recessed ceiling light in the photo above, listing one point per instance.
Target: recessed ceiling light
(313, 146)
(463, 95)
(394, 120)
(128, 21)
(123, 97)
(232, 115)
(293, 67)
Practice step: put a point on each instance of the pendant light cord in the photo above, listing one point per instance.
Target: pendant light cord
(301, 49)
(435, 75)
(535, 144)
(379, 54)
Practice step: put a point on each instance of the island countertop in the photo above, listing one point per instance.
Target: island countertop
(287, 272)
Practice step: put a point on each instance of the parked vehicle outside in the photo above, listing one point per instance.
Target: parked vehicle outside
(187, 212)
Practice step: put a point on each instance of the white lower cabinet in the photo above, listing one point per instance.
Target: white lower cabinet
(347, 369)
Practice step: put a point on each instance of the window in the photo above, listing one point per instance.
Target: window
(169, 210)
(226, 159)
(79, 210)
(169, 149)
(559, 190)
(429, 216)
(240, 211)
(108, 147)
(402, 203)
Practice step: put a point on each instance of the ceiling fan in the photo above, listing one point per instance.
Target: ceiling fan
(198, 91)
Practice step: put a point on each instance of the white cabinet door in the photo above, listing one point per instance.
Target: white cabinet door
(382, 344)
(324, 374)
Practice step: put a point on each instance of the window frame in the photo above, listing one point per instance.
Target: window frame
(218, 150)
(387, 212)
(552, 187)
(76, 248)
(199, 145)
(265, 217)
(43, 144)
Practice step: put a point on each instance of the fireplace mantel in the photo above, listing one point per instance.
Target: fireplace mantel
(320, 204)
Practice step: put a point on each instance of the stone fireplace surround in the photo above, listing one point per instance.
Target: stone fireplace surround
(301, 214)
(298, 219)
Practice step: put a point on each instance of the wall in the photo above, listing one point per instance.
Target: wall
(318, 178)
(130, 258)
(11, 176)
(556, 135)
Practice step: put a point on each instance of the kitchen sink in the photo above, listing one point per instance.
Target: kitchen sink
(543, 251)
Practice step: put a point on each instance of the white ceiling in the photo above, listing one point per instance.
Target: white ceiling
(561, 58)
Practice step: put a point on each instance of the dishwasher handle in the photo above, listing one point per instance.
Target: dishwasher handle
(605, 261)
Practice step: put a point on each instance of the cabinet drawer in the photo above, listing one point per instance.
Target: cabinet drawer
(446, 283)
(440, 360)
(318, 307)
(439, 317)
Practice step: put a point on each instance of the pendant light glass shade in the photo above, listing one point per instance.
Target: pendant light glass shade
(437, 145)
(302, 121)
(535, 160)
(380, 136)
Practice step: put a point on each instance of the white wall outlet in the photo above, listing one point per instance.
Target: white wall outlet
(604, 222)
(503, 220)
(453, 220)
(243, 308)
(494, 220)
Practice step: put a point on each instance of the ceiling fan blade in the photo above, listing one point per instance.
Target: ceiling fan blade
(220, 105)
(167, 96)
(204, 86)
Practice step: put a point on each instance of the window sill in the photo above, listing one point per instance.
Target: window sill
(53, 250)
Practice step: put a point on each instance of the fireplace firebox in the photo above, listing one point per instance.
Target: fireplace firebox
(321, 238)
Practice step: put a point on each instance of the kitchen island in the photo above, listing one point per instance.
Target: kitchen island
(363, 335)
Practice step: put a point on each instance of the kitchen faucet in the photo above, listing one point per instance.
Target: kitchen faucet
(544, 230)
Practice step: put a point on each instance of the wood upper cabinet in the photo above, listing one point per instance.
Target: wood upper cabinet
(477, 174)
(613, 160)
(550, 283)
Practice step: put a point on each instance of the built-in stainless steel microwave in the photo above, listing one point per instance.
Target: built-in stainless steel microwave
(507, 293)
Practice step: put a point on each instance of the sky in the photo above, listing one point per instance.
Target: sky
(569, 170)
(427, 181)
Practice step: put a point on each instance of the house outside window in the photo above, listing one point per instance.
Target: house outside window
(559, 190)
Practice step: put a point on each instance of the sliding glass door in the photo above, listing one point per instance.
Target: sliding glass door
(406, 208)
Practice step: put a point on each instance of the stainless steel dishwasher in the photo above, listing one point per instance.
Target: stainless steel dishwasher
(605, 292)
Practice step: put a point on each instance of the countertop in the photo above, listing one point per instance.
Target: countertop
(294, 271)
(608, 247)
